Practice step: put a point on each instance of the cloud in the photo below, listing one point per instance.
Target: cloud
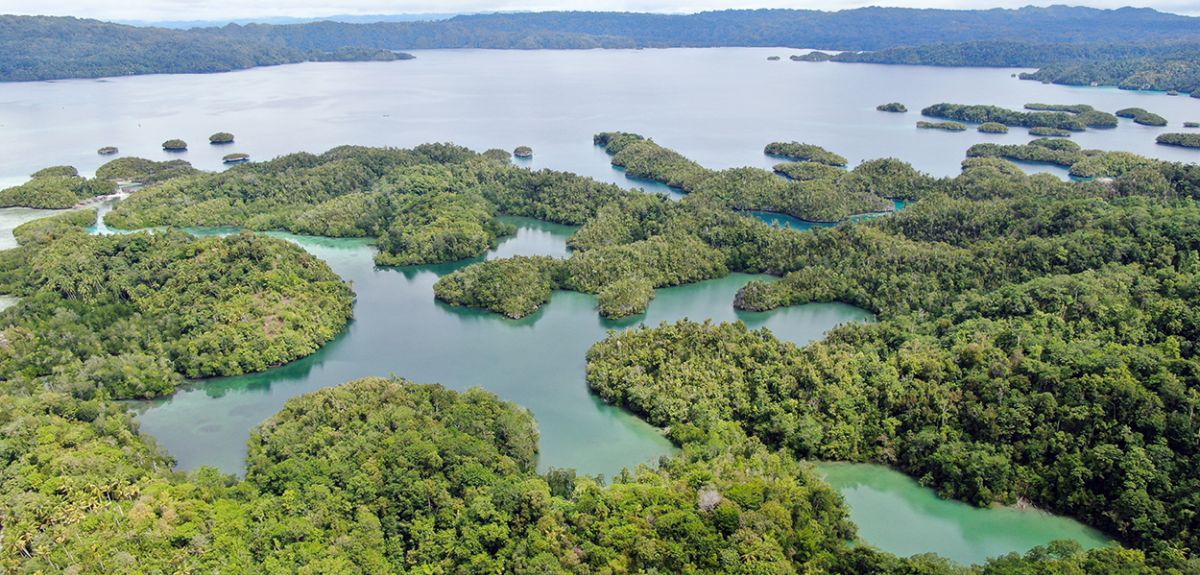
(229, 9)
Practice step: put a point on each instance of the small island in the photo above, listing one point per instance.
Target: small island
(812, 57)
(799, 152)
(523, 152)
(1191, 124)
(236, 158)
(1047, 132)
(993, 128)
(772, 58)
(107, 150)
(1143, 117)
(947, 126)
(1180, 140)
(896, 107)
(174, 145)
(56, 187)
(221, 138)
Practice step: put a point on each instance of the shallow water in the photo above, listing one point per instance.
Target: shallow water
(897, 514)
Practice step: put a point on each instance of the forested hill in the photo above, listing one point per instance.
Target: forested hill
(51, 48)
(34, 48)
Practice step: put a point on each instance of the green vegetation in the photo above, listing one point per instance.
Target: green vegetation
(130, 315)
(1034, 343)
(814, 56)
(55, 187)
(773, 58)
(434, 203)
(623, 275)
(1183, 140)
(386, 476)
(892, 107)
(144, 171)
(834, 197)
(235, 158)
(807, 171)
(107, 150)
(1150, 120)
(1081, 163)
(1069, 108)
(1191, 124)
(981, 114)
(221, 138)
(798, 152)
(1168, 69)
(993, 128)
(1044, 132)
(947, 126)
(175, 145)
(1142, 117)
(523, 152)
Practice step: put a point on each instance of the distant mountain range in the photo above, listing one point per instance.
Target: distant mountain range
(38, 47)
(282, 20)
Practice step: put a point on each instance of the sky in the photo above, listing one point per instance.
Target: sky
(164, 10)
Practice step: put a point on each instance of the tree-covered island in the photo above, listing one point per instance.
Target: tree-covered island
(1035, 343)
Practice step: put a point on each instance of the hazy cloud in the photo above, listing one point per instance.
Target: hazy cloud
(222, 9)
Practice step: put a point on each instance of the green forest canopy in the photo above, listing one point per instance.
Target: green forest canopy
(1036, 340)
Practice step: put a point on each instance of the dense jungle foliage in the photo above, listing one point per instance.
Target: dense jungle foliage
(947, 126)
(433, 203)
(1044, 132)
(798, 152)
(1080, 162)
(1182, 140)
(1062, 120)
(833, 197)
(1036, 342)
(129, 316)
(55, 187)
(385, 476)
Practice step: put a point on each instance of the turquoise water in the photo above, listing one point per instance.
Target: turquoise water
(897, 514)
(537, 361)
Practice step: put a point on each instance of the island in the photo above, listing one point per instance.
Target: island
(107, 150)
(947, 126)
(1191, 124)
(55, 187)
(236, 158)
(174, 145)
(221, 138)
(1047, 132)
(1142, 117)
(1063, 120)
(892, 107)
(1007, 307)
(993, 128)
(1181, 140)
(523, 152)
(814, 56)
(173, 302)
(800, 152)
(772, 58)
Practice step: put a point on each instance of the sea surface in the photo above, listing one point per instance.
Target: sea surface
(719, 106)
